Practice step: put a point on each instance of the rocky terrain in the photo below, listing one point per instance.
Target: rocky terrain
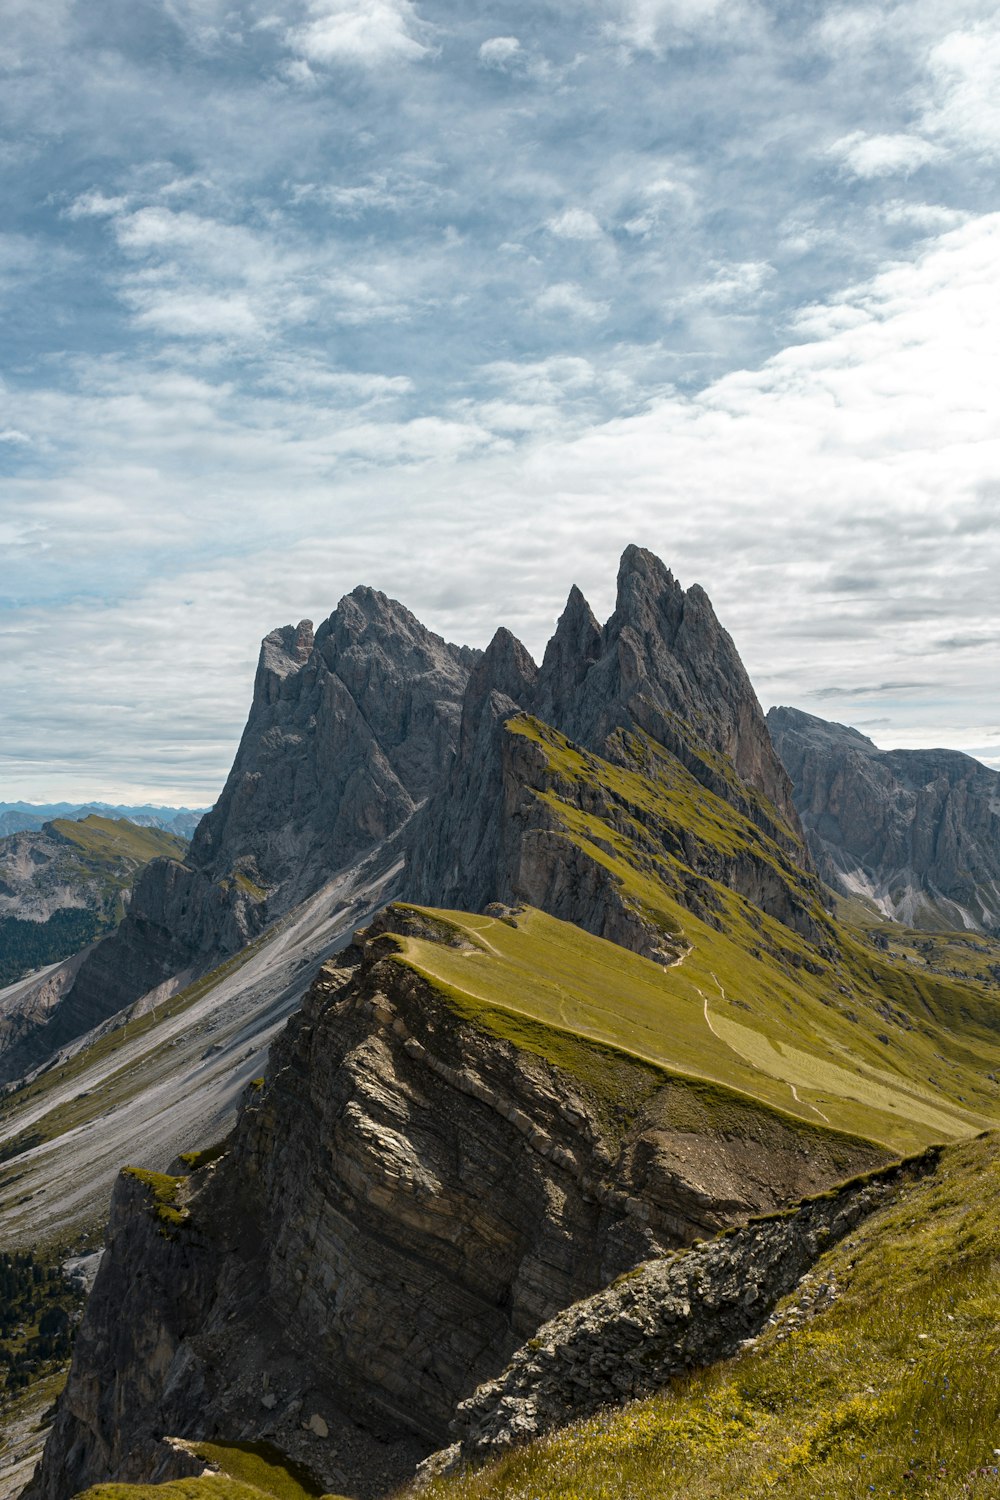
(68, 883)
(916, 832)
(346, 732)
(676, 1313)
(483, 1183)
(662, 672)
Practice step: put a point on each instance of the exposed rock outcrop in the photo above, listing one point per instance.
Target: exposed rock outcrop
(663, 666)
(671, 1315)
(403, 1203)
(347, 733)
(915, 831)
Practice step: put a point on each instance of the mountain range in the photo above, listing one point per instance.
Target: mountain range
(914, 832)
(28, 817)
(586, 1081)
(65, 884)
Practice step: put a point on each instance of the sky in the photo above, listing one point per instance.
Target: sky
(458, 300)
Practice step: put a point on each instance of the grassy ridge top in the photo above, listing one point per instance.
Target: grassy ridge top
(893, 1390)
(775, 1042)
(108, 840)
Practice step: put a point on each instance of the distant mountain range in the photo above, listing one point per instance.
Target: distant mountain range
(66, 883)
(915, 832)
(26, 817)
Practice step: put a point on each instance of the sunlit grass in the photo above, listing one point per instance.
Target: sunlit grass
(893, 1391)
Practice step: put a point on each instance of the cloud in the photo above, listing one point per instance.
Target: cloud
(870, 156)
(565, 297)
(95, 205)
(366, 33)
(575, 224)
(965, 68)
(929, 217)
(647, 25)
(500, 52)
(306, 325)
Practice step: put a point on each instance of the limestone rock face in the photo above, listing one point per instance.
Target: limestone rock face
(916, 831)
(672, 1315)
(662, 665)
(347, 733)
(404, 1202)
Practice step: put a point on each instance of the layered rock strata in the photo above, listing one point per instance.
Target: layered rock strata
(687, 1311)
(915, 831)
(404, 1202)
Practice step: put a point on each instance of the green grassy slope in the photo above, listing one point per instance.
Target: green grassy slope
(893, 1390)
(829, 1026)
(110, 840)
(778, 1038)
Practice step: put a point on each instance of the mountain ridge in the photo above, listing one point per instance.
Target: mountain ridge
(915, 832)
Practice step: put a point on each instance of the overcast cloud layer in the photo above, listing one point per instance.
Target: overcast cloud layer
(457, 300)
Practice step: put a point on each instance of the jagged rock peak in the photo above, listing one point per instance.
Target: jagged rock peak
(915, 831)
(569, 656)
(506, 668)
(506, 665)
(641, 577)
(368, 616)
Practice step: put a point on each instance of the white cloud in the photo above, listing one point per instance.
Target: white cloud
(363, 32)
(500, 51)
(965, 67)
(742, 282)
(567, 298)
(932, 218)
(95, 205)
(575, 224)
(884, 155)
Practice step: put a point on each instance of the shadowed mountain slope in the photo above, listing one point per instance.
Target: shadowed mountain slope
(917, 832)
(659, 688)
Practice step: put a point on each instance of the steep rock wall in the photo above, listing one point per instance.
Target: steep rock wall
(915, 831)
(672, 1315)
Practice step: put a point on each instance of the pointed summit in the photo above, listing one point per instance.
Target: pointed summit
(650, 600)
(506, 671)
(569, 656)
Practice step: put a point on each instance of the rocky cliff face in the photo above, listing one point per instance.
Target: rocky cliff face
(915, 831)
(663, 664)
(346, 735)
(404, 1202)
(662, 670)
(669, 1316)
